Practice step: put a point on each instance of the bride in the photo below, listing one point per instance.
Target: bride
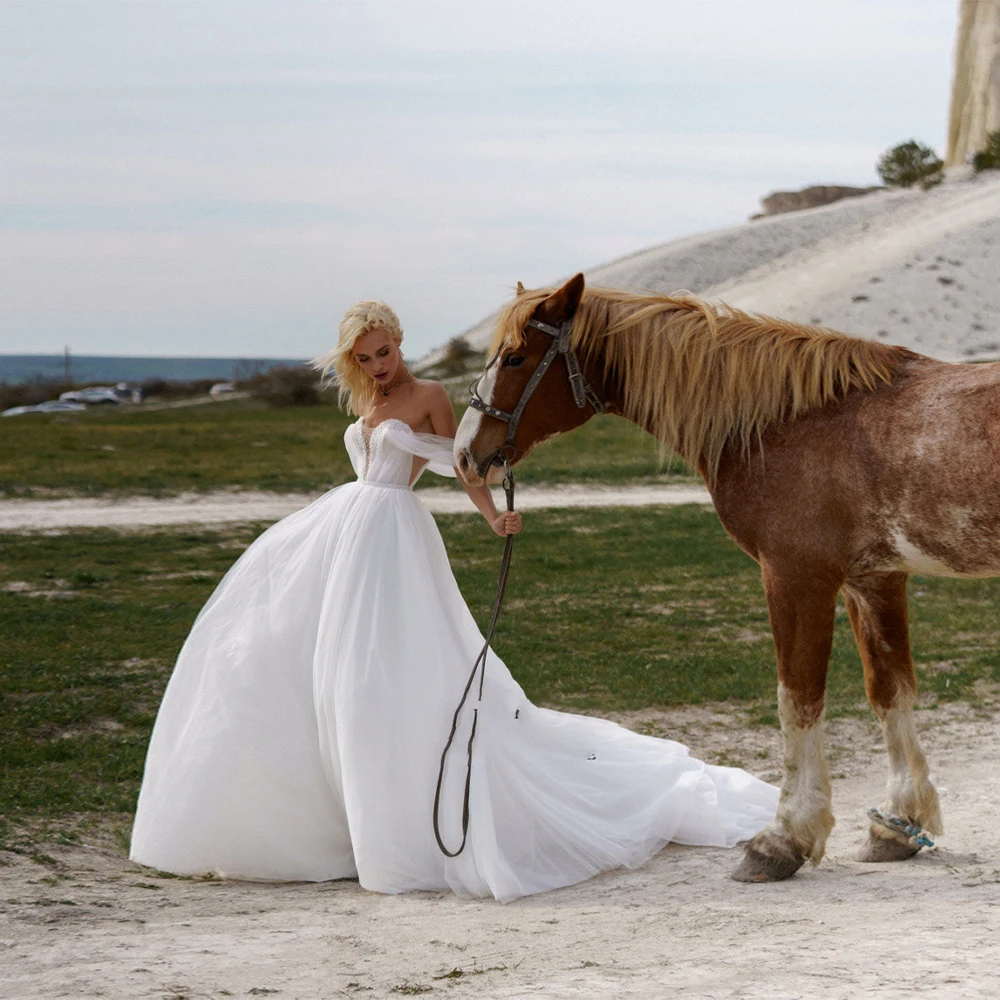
(301, 733)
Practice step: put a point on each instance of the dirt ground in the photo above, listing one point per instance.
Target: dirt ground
(87, 923)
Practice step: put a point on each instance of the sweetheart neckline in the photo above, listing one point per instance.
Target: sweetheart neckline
(371, 430)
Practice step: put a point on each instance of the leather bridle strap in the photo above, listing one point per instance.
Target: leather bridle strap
(583, 393)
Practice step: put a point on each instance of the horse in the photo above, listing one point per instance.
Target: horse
(841, 465)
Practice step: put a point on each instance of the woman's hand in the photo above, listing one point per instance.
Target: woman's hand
(507, 523)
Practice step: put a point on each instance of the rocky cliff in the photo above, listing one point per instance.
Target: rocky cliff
(810, 197)
(975, 89)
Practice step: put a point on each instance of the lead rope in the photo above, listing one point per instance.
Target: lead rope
(478, 667)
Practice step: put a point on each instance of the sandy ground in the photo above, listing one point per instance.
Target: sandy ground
(926, 276)
(88, 923)
(222, 507)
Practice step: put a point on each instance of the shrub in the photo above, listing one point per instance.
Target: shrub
(910, 163)
(457, 350)
(989, 157)
(173, 389)
(459, 356)
(286, 385)
(458, 359)
(155, 387)
(29, 393)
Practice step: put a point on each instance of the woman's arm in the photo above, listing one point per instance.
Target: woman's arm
(443, 421)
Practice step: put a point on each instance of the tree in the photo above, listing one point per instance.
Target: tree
(989, 157)
(910, 163)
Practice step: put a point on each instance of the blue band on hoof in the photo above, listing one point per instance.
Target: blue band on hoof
(918, 837)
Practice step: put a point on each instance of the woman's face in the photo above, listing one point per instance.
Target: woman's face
(378, 354)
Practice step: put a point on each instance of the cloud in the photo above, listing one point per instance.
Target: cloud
(208, 173)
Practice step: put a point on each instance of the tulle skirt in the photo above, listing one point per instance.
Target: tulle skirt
(301, 733)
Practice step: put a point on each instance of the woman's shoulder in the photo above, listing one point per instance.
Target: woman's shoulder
(435, 403)
(431, 396)
(430, 389)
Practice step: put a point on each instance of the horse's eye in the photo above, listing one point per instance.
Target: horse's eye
(512, 361)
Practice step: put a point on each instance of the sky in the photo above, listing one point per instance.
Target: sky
(210, 178)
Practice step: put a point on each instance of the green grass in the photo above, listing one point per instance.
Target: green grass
(607, 610)
(235, 444)
(604, 450)
(245, 445)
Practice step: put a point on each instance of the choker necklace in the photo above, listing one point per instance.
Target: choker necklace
(385, 390)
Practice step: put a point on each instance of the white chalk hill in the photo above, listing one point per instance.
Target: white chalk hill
(911, 267)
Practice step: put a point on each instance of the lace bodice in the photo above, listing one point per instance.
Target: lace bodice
(393, 454)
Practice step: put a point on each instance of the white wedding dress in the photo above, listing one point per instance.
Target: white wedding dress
(301, 733)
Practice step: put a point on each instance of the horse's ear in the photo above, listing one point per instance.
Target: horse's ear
(562, 304)
(520, 289)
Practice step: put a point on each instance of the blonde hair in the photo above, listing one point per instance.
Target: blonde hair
(700, 376)
(355, 389)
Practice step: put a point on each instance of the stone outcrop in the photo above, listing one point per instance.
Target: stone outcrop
(810, 197)
(975, 88)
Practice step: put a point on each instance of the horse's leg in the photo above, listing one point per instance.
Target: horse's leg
(877, 608)
(801, 605)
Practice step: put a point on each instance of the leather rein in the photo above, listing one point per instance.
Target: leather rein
(583, 395)
(479, 667)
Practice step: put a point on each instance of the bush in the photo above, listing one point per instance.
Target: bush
(172, 389)
(286, 385)
(458, 359)
(31, 393)
(910, 163)
(155, 387)
(459, 356)
(988, 158)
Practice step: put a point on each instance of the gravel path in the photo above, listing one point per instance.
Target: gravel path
(223, 507)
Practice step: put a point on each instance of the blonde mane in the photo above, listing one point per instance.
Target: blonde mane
(699, 376)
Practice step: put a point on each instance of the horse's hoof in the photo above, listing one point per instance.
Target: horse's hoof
(880, 849)
(773, 867)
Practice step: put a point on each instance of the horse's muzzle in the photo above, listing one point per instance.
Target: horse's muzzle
(468, 469)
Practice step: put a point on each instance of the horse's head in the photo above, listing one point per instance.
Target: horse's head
(533, 387)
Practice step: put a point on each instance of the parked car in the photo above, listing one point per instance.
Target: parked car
(59, 406)
(222, 389)
(49, 406)
(92, 394)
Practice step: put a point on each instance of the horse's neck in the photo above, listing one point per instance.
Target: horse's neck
(609, 383)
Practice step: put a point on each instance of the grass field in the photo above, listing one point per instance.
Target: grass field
(245, 445)
(607, 610)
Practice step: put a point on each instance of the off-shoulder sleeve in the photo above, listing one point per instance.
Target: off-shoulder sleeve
(439, 451)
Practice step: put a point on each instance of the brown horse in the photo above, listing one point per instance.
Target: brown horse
(838, 464)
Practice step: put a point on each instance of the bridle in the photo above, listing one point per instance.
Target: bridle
(583, 393)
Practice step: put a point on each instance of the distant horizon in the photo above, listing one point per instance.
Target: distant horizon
(84, 369)
(150, 357)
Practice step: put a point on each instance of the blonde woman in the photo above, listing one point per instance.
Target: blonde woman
(301, 735)
(376, 385)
